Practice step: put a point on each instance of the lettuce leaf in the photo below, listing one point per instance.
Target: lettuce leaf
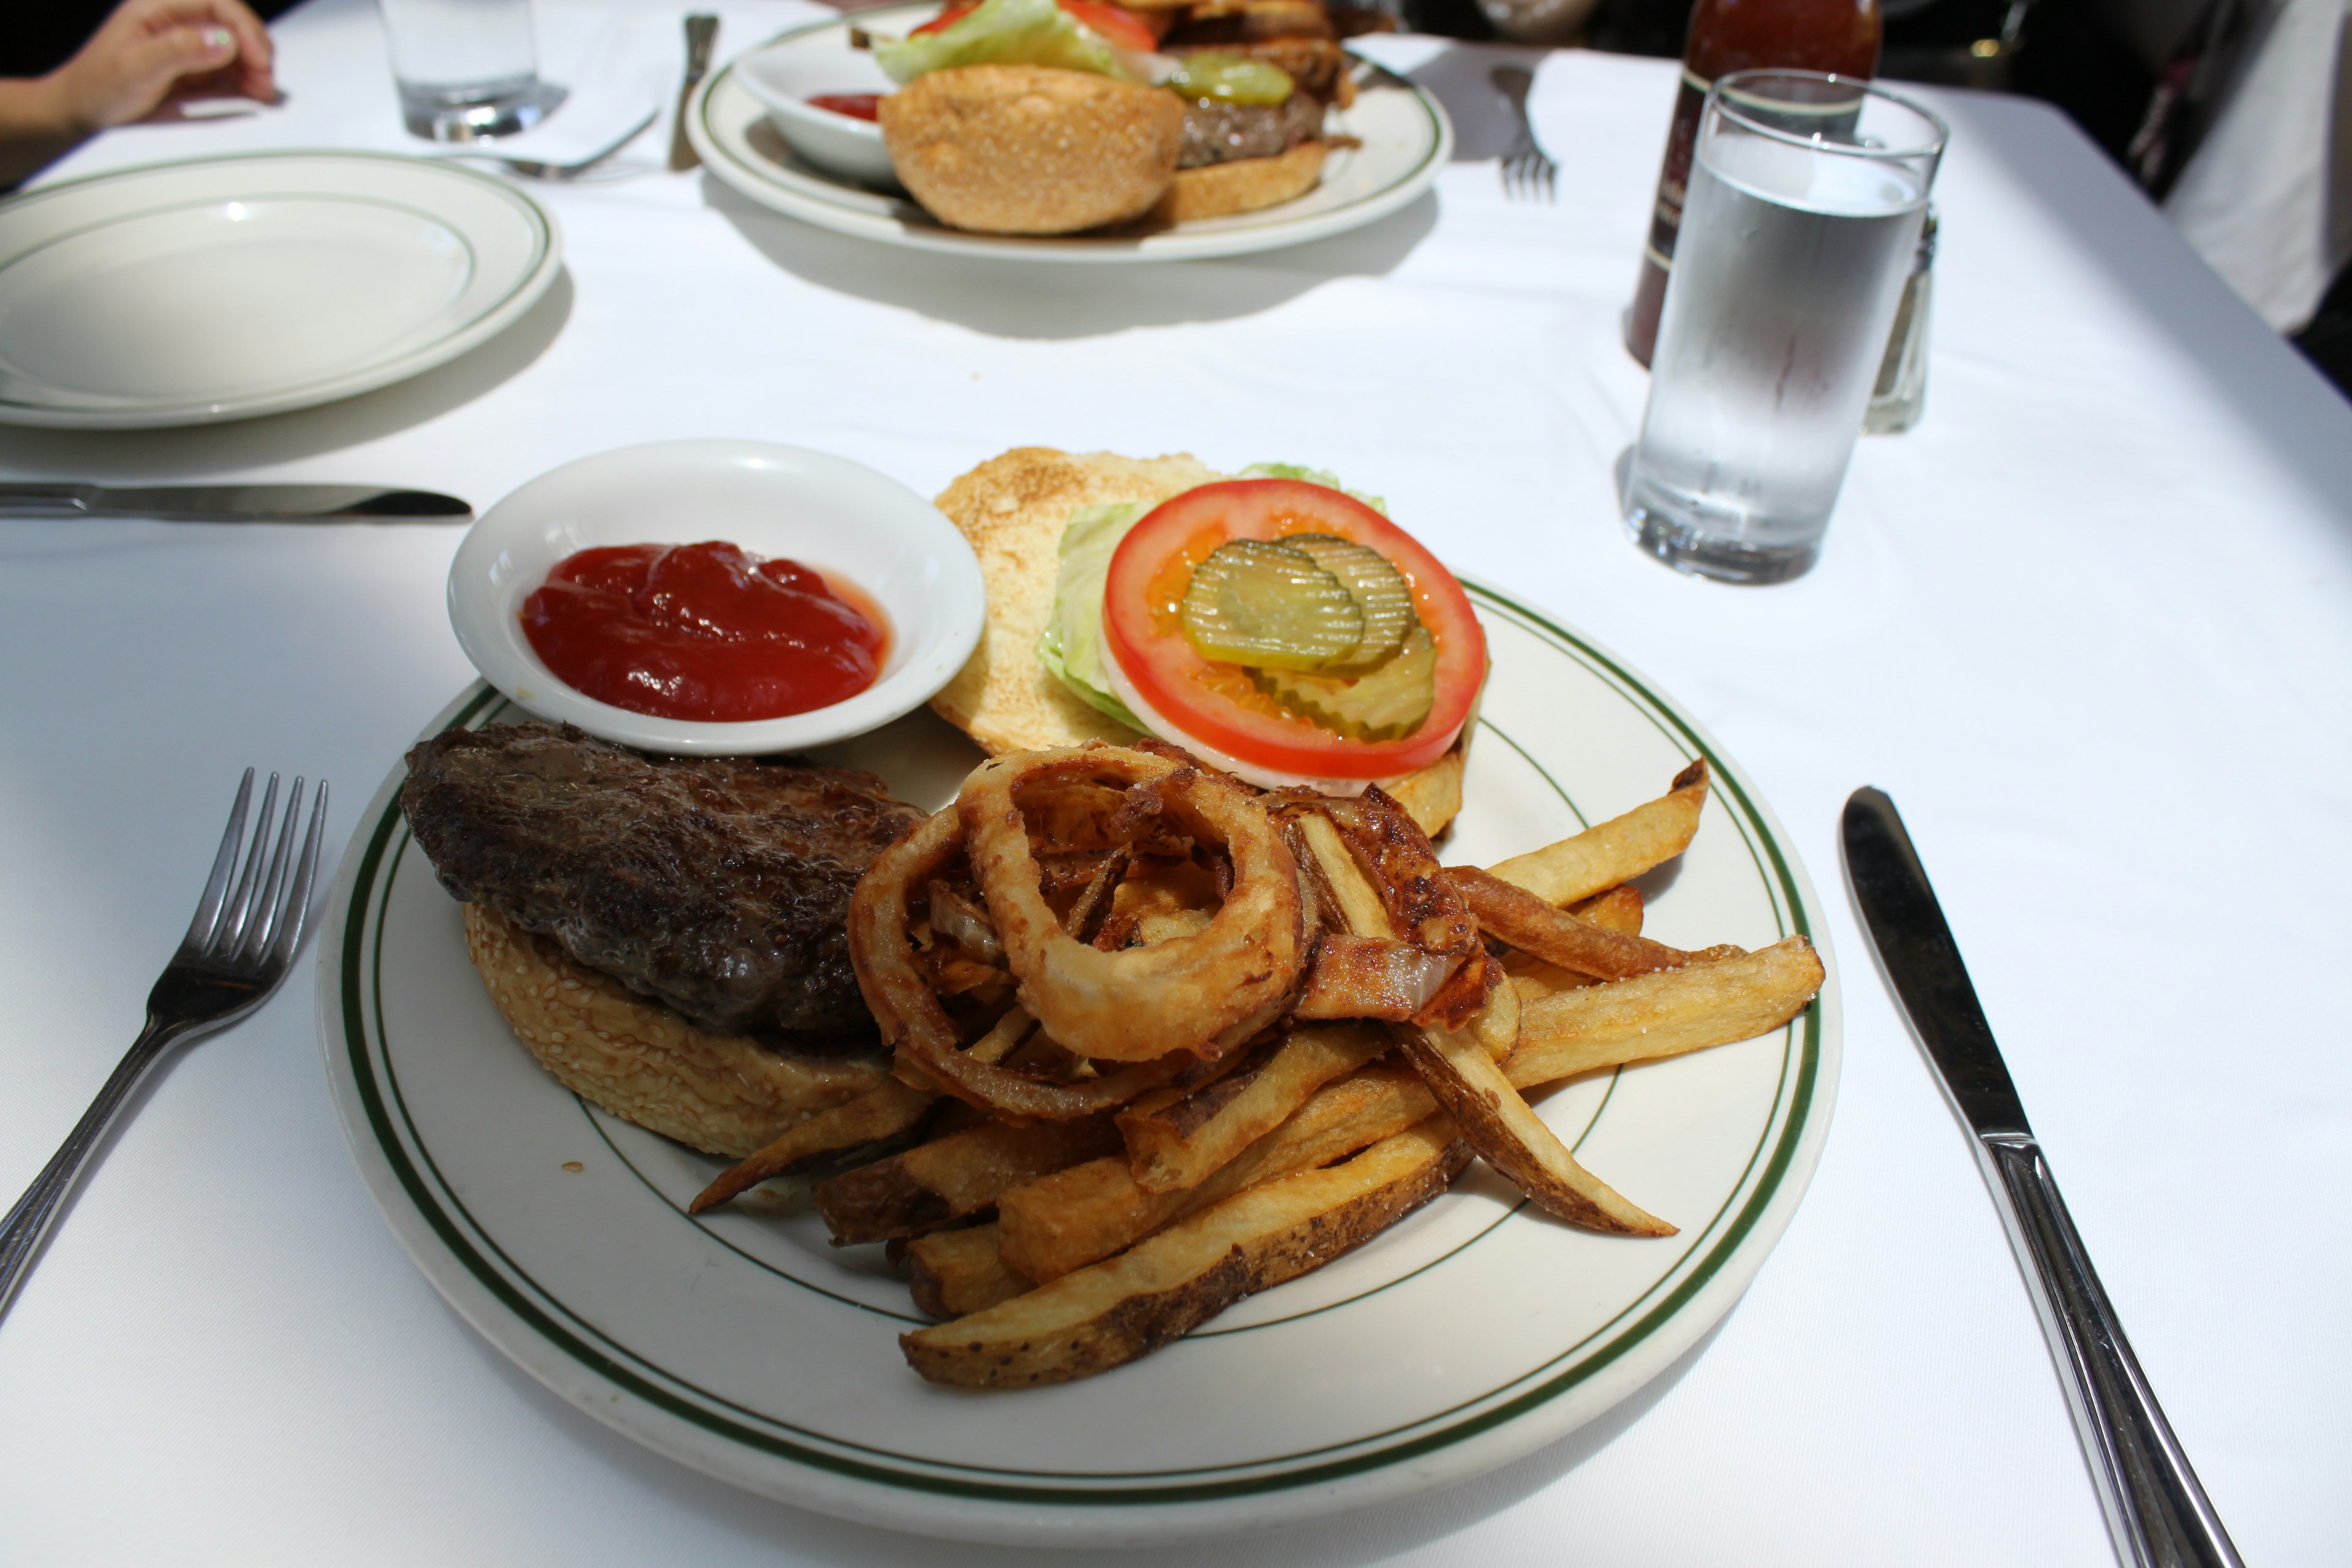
(1001, 32)
(1071, 645)
(1323, 476)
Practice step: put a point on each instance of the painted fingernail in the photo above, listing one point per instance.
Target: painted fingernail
(217, 40)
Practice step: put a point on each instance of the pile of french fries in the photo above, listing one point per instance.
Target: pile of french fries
(1055, 1250)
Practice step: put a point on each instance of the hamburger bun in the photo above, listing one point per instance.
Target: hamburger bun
(1031, 148)
(723, 1094)
(1012, 509)
(1244, 185)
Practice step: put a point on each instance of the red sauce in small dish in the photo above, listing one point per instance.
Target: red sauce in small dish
(856, 105)
(703, 631)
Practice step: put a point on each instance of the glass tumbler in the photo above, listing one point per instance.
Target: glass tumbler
(1806, 196)
(467, 69)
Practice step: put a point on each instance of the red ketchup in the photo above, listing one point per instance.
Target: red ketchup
(856, 105)
(702, 631)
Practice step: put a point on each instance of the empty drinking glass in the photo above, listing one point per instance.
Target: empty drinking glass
(467, 68)
(1804, 217)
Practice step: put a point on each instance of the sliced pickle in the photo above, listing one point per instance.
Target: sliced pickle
(1261, 604)
(1378, 588)
(1386, 705)
(1230, 78)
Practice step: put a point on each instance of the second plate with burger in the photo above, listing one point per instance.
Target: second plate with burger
(1379, 143)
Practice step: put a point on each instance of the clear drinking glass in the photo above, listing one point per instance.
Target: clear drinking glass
(467, 68)
(1803, 214)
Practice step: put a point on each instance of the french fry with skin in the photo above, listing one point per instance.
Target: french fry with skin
(960, 1271)
(1665, 1014)
(1509, 911)
(1509, 1135)
(1083, 1215)
(1112, 1312)
(1615, 851)
(1617, 910)
(1175, 1140)
(1493, 1119)
(889, 1110)
(943, 1181)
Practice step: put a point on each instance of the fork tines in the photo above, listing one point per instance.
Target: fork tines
(263, 919)
(1528, 173)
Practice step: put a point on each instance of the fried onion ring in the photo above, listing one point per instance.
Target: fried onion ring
(914, 1023)
(1204, 993)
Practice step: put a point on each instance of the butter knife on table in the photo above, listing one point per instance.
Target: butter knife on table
(234, 503)
(701, 31)
(2158, 1514)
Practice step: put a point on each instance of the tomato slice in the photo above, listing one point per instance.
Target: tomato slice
(1115, 24)
(1215, 702)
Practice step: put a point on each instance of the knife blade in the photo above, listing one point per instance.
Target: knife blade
(234, 503)
(701, 32)
(2156, 1512)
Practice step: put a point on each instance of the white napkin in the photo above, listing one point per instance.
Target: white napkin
(617, 67)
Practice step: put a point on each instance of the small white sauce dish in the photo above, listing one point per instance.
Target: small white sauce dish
(854, 525)
(785, 79)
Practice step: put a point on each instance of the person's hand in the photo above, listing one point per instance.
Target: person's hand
(152, 54)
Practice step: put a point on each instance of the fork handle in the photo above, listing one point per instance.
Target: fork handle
(29, 1221)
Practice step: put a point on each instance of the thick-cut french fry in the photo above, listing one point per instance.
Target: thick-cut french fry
(1177, 1139)
(891, 1109)
(1617, 910)
(1509, 1135)
(959, 1272)
(1106, 1315)
(1496, 1023)
(1617, 850)
(1360, 901)
(950, 1177)
(1509, 911)
(1665, 1014)
(1085, 1214)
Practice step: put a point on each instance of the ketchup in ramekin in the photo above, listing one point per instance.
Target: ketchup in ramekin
(704, 632)
(856, 105)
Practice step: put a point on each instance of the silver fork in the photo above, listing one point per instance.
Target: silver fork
(1528, 173)
(532, 169)
(238, 949)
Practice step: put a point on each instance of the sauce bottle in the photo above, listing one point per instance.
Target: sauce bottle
(1727, 36)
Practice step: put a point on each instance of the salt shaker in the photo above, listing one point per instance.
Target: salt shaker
(1902, 388)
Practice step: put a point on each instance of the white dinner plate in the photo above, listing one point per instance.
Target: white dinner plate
(181, 293)
(1406, 140)
(742, 1344)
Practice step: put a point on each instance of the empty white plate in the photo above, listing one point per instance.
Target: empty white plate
(181, 293)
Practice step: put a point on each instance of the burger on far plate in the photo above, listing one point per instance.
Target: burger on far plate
(1036, 117)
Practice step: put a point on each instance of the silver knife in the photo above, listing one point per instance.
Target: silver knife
(2156, 1512)
(701, 31)
(236, 503)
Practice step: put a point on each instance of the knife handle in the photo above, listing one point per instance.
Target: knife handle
(2156, 1512)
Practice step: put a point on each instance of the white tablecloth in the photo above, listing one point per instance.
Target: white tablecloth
(2091, 622)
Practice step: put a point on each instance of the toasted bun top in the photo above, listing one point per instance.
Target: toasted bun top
(1013, 509)
(1031, 148)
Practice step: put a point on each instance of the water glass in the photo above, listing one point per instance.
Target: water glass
(467, 69)
(1806, 195)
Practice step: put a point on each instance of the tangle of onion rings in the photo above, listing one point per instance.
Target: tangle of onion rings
(914, 1023)
(1204, 993)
